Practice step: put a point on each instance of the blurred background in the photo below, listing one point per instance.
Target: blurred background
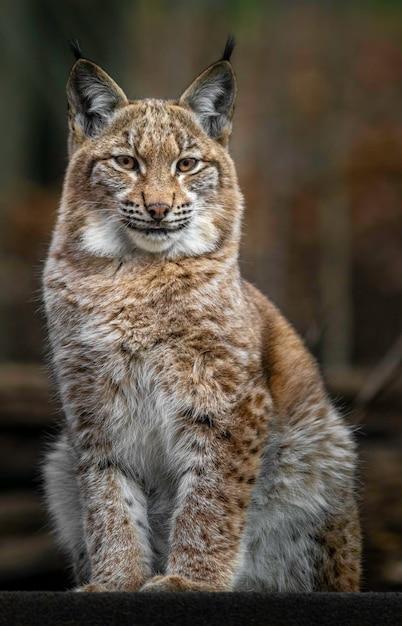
(318, 147)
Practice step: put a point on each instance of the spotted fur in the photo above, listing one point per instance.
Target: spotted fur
(199, 449)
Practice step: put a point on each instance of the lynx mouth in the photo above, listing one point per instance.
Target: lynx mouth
(155, 229)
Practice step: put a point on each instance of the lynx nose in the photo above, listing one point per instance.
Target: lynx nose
(158, 210)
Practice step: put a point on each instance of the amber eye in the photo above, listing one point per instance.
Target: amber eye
(186, 165)
(127, 162)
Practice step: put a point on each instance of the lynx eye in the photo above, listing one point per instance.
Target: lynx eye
(186, 165)
(127, 162)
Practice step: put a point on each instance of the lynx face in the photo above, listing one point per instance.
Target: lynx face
(151, 175)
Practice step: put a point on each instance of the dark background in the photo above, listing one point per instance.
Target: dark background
(318, 147)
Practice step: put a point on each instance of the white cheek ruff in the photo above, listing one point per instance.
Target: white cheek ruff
(200, 237)
(104, 239)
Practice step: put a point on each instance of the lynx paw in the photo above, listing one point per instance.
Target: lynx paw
(175, 583)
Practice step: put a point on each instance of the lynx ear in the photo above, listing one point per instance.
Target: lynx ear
(93, 98)
(212, 95)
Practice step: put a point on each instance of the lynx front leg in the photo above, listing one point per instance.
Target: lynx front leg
(115, 528)
(205, 537)
(211, 505)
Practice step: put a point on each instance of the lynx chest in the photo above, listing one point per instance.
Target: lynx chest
(156, 355)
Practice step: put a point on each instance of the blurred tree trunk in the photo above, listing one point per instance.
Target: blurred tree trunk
(15, 101)
(335, 280)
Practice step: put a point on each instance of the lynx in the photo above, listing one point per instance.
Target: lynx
(199, 450)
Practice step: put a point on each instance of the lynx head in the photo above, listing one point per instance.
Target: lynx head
(151, 176)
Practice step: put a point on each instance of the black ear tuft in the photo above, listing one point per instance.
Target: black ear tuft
(230, 44)
(75, 48)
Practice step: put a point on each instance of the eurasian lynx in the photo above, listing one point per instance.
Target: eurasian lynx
(199, 449)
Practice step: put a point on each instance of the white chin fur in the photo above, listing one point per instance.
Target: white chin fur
(153, 243)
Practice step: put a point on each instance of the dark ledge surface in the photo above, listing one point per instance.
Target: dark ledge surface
(26, 608)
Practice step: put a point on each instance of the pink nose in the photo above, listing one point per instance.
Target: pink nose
(158, 210)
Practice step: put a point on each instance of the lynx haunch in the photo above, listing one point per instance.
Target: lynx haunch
(199, 450)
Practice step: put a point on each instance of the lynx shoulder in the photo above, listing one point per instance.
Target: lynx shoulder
(199, 450)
